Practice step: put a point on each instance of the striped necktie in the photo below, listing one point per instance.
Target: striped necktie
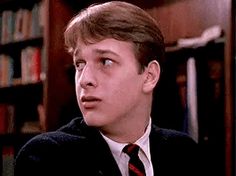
(136, 167)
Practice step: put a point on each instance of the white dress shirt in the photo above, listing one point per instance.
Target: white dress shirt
(122, 158)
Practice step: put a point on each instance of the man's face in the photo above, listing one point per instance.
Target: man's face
(108, 86)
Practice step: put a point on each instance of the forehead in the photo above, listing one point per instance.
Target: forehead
(106, 46)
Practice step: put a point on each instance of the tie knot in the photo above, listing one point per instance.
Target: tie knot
(131, 149)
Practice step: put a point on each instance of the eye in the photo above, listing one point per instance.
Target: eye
(79, 65)
(107, 62)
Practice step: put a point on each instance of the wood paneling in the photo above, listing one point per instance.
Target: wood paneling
(188, 18)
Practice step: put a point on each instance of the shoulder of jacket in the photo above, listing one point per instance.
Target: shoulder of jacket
(170, 134)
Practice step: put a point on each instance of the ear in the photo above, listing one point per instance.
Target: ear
(152, 74)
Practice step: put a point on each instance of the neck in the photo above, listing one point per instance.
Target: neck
(129, 133)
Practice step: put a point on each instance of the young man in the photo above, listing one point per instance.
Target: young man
(116, 49)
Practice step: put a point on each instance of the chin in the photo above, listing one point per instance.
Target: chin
(92, 121)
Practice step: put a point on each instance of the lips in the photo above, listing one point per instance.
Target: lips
(89, 102)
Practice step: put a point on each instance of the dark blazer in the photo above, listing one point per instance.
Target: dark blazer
(76, 149)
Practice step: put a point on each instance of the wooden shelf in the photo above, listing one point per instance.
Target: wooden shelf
(16, 4)
(19, 45)
(22, 93)
(212, 44)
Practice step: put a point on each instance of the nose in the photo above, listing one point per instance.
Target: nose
(87, 78)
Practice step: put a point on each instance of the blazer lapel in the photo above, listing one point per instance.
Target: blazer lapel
(106, 163)
(155, 149)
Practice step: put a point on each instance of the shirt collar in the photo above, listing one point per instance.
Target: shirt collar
(143, 142)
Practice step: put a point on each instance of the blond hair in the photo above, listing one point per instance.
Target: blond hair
(119, 20)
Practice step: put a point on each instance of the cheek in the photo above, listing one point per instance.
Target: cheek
(122, 101)
(125, 90)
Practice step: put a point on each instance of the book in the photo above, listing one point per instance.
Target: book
(30, 65)
(6, 70)
(7, 161)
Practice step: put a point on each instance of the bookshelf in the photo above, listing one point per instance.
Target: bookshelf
(32, 88)
(21, 76)
(21, 61)
(20, 87)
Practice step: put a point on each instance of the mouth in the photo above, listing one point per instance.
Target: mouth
(89, 102)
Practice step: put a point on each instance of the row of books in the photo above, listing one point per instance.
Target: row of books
(21, 24)
(30, 67)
